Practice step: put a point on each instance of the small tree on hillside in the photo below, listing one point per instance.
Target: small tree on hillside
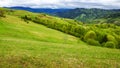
(90, 35)
(2, 14)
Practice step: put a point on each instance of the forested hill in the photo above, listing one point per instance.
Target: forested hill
(113, 18)
(87, 15)
(39, 10)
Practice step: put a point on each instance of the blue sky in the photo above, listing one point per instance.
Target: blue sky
(106, 4)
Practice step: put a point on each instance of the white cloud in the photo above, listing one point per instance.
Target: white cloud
(109, 4)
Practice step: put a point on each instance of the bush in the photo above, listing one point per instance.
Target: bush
(118, 41)
(93, 42)
(90, 35)
(110, 44)
(110, 38)
(2, 13)
(101, 37)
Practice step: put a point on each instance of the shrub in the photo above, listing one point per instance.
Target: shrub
(110, 38)
(101, 37)
(118, 41)
(110, 44)
(90, 35)
(2, 14)
(93, 42)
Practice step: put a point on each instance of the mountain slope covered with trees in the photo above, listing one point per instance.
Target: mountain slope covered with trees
(87, 15)
(39, 10)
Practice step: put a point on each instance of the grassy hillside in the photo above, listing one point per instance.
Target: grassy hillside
(15, 27)
(105, 35)
(31, 45)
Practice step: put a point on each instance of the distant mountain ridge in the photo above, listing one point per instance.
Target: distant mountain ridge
(40, 10)
(87, 15)
(91, 15)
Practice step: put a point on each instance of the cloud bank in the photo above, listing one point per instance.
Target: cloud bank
(106, 4)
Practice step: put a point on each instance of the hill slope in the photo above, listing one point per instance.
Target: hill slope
(105, 35)
(31, 45)
(87, 15)
(93, 15)
(31, 31)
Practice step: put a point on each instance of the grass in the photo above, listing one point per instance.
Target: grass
(21, 29)
(33, 45)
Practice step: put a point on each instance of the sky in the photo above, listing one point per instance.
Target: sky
(105, 4)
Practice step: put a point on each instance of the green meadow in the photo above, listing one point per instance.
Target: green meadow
(32, 45)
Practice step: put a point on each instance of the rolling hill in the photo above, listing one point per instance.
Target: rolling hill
(28, 42)
(100, 34)
(87, 15)
(93, 15)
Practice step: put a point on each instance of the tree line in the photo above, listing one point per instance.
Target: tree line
(105, 35)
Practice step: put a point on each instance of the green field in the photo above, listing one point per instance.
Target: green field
(31, 45)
